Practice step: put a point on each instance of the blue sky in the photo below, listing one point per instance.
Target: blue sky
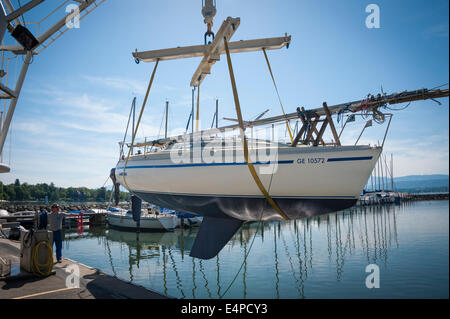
(76, 97)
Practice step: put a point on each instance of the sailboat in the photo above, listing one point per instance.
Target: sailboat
(231, 179)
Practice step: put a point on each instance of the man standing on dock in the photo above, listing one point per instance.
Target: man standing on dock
(55, 220)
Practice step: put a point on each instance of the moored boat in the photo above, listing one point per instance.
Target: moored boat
(148, 222)
(185, 220)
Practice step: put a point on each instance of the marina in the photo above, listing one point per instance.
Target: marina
(293, 259)
(291, 192)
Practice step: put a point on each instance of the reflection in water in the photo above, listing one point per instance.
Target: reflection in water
(161, 260)
(277, 282)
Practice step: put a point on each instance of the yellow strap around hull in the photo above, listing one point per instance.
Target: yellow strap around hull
(241, 125)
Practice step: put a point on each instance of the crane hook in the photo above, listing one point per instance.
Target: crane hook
(207, 34)
(208, 12)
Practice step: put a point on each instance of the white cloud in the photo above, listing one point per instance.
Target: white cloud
(125, 84)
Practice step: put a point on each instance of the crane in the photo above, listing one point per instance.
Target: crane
(28, 45)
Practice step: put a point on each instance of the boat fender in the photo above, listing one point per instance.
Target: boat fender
(116, 186)
(136, 208)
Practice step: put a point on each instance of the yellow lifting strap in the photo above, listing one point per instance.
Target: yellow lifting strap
(279, 99)
(138, 122)
(197, 118)
(241, 126)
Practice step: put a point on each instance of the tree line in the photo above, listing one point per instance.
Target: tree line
(39, 192)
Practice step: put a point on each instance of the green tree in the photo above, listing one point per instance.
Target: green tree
(9, 190)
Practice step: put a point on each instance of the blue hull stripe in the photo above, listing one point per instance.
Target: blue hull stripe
(204, 164)
(244, 196)
(337, 159)
(344, 159)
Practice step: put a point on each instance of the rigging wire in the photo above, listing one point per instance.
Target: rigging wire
(436, 87)
(260, 225)
(23, 15)
(278, 94)
(138, 123)
(266, 193)
(398, 109)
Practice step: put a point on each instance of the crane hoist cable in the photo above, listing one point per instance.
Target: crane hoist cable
(279, 99)
(244, 138)
(138, 122)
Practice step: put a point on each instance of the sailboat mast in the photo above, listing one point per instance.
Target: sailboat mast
(1, 122)
(392, 172)
(217, 113)
(377, 181)
(192, 112)
(167, 117)
(371, 178)
(387, 172)
(134, 118)
(381, 169)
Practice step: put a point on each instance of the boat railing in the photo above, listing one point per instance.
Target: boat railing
(306, 136)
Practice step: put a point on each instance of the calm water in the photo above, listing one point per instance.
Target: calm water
(324, 257)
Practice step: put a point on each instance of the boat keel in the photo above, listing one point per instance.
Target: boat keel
(213, 235)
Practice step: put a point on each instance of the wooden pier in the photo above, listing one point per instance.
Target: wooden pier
(93, 284)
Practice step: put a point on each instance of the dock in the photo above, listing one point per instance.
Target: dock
(25, 215)
(371, 199)
(93, 283)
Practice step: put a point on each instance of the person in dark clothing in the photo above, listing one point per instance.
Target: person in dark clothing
(55, 219)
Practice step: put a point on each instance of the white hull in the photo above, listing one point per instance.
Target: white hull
(326, 178)
(147, 223)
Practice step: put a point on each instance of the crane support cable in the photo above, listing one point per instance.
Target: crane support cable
(138, 122)
(279, 99)
(244, 139)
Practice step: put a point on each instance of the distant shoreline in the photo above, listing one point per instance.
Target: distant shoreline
(81, 206)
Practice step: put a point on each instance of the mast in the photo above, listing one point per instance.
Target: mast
(167, 117)
(192, 112)
(371, 179)
(217, 113)
(134, 118)
(387, 171)
(381, 169)
(378, 175)
(392, 172)
(1, 121)
(216, 116)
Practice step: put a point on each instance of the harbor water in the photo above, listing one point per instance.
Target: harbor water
(324, 257)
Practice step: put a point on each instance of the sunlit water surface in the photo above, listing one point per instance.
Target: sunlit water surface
(324, 257)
